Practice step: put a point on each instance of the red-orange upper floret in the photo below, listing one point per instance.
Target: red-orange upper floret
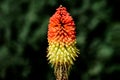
(61, 27)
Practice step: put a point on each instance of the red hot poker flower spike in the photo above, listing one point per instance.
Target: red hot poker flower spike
(62, 39)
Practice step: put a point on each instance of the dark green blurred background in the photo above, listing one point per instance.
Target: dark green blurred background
(23, 39)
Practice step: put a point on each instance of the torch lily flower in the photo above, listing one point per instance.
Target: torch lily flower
(62, 49)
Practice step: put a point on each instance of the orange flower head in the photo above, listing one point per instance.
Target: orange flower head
(61, 39)
(61, 27)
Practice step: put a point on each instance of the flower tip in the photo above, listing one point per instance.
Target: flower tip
(61, 6)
